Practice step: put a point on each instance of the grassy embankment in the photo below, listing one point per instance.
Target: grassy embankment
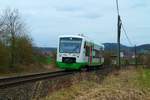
(41, 64)
(133, 84)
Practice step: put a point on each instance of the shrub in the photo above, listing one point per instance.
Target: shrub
(24, 51)
(4, 55)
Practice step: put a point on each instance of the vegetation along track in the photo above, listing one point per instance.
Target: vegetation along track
(14, 81)
(18, 80)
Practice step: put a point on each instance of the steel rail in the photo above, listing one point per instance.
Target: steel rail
(18, 80)
(28, 75)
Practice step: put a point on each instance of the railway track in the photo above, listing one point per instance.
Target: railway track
(14, 81)
(18, 80)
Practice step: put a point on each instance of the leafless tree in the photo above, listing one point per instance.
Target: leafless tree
(11, 27)
(1, 26)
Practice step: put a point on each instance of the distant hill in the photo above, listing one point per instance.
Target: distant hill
(110, 47)
(140, 49)
(45, 49)
(145, 48)
(114, 46)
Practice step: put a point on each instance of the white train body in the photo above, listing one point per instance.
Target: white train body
(76, 52)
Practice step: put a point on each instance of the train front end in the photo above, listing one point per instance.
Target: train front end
(70, 52)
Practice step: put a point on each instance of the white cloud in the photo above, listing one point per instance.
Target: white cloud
(95, 18)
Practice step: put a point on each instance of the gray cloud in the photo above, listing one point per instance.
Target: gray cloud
(68, 8)
(89, 15)
(78, 12)
(139, 3)
(51, 18)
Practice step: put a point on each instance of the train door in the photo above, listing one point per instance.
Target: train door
(88, 53)
(91, 55)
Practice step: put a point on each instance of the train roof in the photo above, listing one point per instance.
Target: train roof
(76, 36)
(83, 37)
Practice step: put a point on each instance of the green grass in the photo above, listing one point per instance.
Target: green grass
(144, 78)
(20, 69)
(42, 59)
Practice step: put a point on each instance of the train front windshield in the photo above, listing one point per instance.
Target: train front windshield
(70, 45)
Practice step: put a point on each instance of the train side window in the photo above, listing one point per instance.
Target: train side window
(94, 53)
(97, 55)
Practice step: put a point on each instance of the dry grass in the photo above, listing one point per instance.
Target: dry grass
(22, 70)
(126, 85)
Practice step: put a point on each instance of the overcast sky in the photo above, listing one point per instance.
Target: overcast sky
(47, 19)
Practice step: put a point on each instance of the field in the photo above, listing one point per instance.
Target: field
(130, 84)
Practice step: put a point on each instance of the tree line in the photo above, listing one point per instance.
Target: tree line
(15, 43)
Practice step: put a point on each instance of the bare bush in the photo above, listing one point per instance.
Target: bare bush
(13, 36)
(4, 55)
(108, 58)
(147, 60)
(24, 50)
